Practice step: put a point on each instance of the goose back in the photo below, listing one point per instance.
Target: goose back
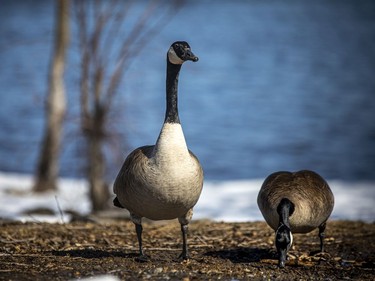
(309, 192)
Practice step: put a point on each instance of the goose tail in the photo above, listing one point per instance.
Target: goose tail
(117, 203)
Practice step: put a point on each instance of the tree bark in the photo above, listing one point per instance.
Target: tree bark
(48, 165)
(99, 192)
(95, 136)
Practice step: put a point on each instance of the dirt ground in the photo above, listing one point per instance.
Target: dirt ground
(227, 251)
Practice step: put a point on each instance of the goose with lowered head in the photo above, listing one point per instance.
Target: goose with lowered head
(295, 203)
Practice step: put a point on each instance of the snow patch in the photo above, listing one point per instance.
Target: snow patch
(233, 201)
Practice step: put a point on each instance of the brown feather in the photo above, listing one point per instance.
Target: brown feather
(309, 192)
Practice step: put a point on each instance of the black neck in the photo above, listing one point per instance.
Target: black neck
(285, 209)
(171, 114)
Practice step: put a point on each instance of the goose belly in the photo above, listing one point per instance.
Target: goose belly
(163, 195)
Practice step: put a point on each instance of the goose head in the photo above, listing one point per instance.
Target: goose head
(284, 237)
(283, 242)
(179, 52)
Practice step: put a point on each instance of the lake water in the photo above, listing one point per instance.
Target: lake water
(280, 85)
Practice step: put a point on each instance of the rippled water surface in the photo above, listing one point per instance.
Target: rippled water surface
(280, 85)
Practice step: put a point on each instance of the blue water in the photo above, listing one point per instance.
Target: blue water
(280, 85)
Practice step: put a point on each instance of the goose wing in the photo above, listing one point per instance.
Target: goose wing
(135, 160)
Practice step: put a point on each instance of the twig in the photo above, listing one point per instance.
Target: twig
(35, 220)
(202, 240)
(16, 240)
(60, 211)
(18, 264)
(19, 255)
(162, 249)
(73, 227)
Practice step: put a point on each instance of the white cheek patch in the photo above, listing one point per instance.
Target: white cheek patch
(291, 240)
(173, 58)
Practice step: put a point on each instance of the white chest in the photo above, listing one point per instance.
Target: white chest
(171, 154)
(171, 145)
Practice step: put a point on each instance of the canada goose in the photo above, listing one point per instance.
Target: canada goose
(163, 181)
(295, 202)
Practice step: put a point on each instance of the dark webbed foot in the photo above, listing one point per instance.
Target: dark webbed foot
(183, 256)
(142, 258)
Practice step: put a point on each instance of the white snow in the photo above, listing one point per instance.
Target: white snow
(220, 200)
(99, 278)
(17, 197)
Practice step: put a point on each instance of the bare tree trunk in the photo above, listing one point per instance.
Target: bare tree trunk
(48, 166)
(99, 192)
(99, 26)
(95, 137)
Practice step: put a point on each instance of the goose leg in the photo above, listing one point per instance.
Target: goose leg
(184, 221)
(185, 253)
(322, 228)
(138, 229)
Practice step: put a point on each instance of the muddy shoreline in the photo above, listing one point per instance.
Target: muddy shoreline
(218, 250)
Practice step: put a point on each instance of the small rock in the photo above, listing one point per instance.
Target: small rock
(158, 270)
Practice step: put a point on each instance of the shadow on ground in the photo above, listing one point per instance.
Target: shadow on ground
(243, 255)
(92, 254)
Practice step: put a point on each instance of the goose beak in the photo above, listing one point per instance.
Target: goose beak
(191, 56)
(282, 258)
(195, 59)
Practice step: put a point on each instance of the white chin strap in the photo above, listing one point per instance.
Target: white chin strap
(173, 58)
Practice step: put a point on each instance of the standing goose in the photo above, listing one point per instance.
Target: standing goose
(295, 202)
(163, 181)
